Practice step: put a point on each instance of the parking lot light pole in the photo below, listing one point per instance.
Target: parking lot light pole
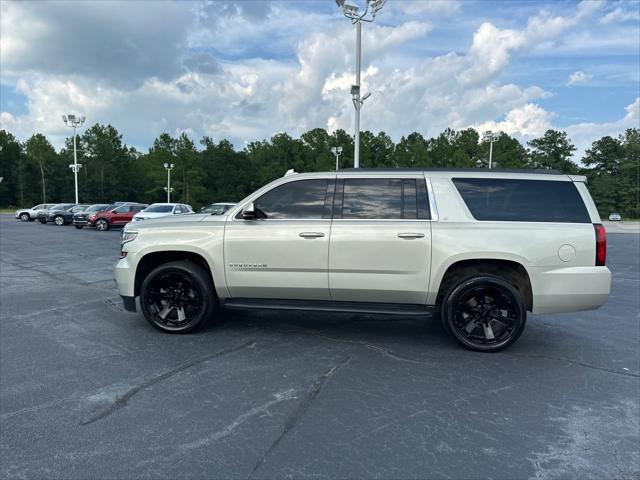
(353, 14)
(491, 137)
(168, 188)
(337, 151)
(74, 121)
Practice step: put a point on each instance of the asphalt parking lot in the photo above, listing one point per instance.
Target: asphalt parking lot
(89, 391)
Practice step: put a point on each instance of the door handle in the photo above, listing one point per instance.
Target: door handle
(311, 234)
(411, 235)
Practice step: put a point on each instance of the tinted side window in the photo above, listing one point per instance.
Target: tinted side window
(383, 198)
(298, 199)
(522, 200)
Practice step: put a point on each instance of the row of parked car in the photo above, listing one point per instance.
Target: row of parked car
(103, 216)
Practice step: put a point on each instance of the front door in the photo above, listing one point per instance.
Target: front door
(380, 240)
(284, 252)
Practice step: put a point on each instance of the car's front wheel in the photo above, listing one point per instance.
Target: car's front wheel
(78, 226)
(59, 220)
(178, 297)
(484, 313)
(43, 220)
(102, 225)
(25, 217)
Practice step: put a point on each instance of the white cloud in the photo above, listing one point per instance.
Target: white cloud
(619, 15)
(493, 47)
(579, 78)
(525, 122)
(246, 70)
(119, 44)
(584, 134)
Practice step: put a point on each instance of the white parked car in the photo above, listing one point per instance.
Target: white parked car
(615, 217)
(479, 248)
(156, 210)
(30, 214)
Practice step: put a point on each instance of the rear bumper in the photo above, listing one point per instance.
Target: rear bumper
(569, 289)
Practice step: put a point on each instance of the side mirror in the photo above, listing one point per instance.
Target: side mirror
(249, 212)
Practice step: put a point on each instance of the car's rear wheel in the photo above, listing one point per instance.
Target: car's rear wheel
(59, 220)
(25, 217)
(43, 220)
(484, 313)
(78, 226)
(178, 297)
(102, 225)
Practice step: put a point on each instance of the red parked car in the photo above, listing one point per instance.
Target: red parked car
(116, 217)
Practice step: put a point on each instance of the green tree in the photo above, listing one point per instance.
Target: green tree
(411, 152)
(43, 156)
(553, 151)
(13, 186)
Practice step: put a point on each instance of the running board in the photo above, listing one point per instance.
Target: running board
(327, 306)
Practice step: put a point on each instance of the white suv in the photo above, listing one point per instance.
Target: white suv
(480, 248)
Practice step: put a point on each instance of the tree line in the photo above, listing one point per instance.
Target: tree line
(34, 172)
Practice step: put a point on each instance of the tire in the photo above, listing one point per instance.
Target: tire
(42, 221)
(25, 217)
(78, 226)
(174, 290)
(59, 220)
(102, 225)
(484, 313)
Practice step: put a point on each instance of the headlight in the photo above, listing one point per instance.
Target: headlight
(128, 236)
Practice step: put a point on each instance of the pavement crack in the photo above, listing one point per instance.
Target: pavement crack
(123, 400)
(574, 362)
(228, 429)
(294, 418)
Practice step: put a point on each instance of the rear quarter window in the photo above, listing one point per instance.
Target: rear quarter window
(498, 199)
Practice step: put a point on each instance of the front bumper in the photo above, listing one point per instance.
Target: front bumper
(125, 276)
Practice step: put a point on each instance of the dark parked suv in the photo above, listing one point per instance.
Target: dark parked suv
(61, 214)
(115, 217)
(80, 218)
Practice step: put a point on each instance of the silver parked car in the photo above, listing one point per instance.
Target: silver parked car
(615, 217)
(30, 214)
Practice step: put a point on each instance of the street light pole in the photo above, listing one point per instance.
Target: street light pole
(352, 13)
(491, 137)
(74, 121)
(337, 151)
(168, 166)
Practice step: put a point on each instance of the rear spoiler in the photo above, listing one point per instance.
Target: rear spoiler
(578, 178)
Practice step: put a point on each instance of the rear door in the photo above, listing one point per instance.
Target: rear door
(284, 253)
(380, 249)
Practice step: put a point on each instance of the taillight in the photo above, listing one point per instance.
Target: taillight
(601, 245)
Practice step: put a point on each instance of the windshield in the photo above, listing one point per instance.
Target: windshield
(96, 208)
(60, 206)
(159, 209)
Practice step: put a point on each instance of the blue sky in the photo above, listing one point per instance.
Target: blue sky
(244, 70)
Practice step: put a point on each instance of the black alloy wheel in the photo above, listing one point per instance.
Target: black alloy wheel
(484, 313)
(24, 217)
(102, 225)
(178, 297)
(78, 226)
(43, 220)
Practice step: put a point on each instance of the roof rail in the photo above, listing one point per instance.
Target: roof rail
(542, 171)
